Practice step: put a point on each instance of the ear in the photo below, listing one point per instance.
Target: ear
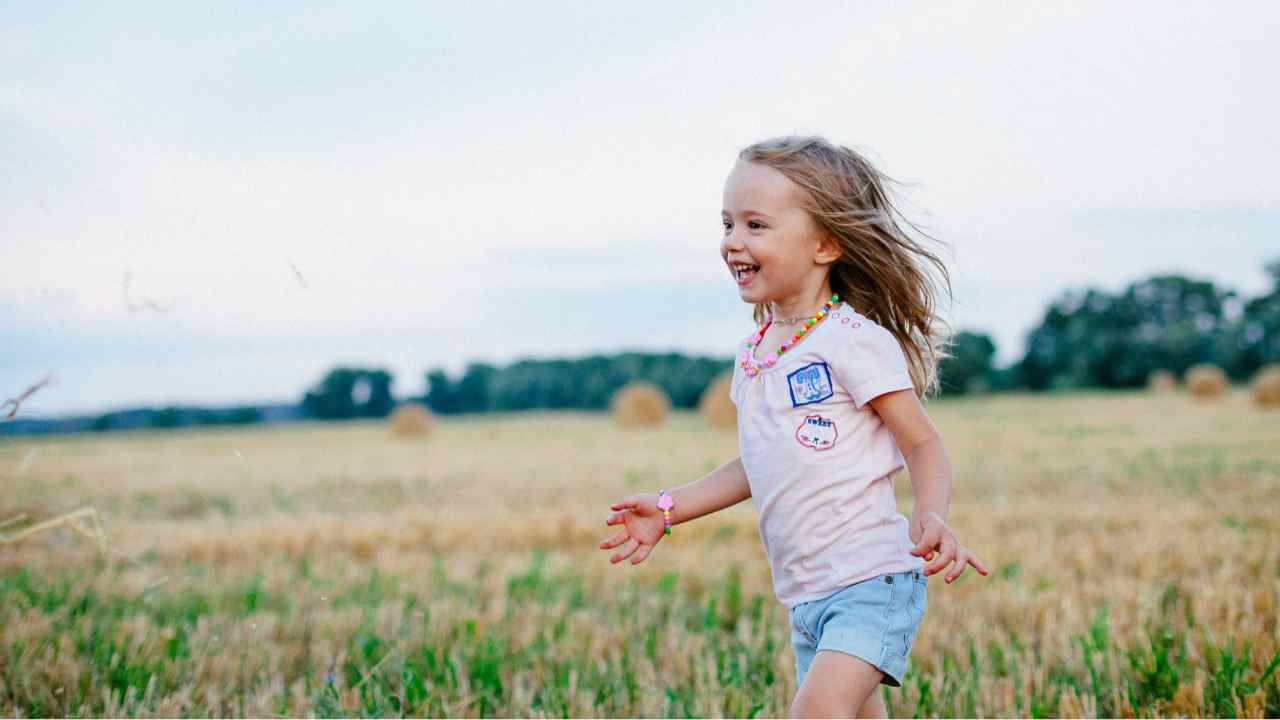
(828, 250)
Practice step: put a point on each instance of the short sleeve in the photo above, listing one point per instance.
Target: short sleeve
(735, 384)
(870, 363)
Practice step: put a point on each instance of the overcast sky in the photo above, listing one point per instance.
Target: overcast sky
(422, 185)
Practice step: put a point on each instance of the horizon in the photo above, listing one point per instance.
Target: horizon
(288, 190)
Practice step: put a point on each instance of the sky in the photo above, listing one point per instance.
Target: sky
(217, 204)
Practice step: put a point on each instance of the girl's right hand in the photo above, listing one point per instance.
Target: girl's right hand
(643, 527)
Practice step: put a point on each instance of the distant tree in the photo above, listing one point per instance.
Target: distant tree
(1256, 336)
(244, 416)
(379, 402)
(584, 384)
(970, 368)
(170, 417)
(333, 397)
(1093, 338)
(1005, 378)
(440, 394)
(350, 393)
(204, 416)
(473, 389)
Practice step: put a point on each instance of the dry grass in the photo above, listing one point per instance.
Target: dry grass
(1162, 381)
(640, 404)
(321, 569)
(1206, 381)
(1266, 386)
(715, 405)
(83, 521)
(410, 420)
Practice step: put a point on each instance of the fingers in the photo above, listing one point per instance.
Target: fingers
(965, 558)
(946, 553)
(626, 551)
(928, 541)
(961, 563)
(614, 518)
(641, 554)
(616, 540)
(977, 564)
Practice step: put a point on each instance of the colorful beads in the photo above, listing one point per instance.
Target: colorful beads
(665, 503)
(747, 359)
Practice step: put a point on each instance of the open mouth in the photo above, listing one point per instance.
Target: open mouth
(744, 273)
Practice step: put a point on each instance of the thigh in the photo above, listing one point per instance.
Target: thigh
(803, 643)
(854, 621)
(837, 685)
(873, 620)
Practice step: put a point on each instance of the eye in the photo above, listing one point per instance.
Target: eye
(754, 225)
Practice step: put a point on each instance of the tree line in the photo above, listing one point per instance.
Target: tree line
(1087, 338)
(1091, 338)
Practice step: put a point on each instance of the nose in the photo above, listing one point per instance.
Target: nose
(730, 241)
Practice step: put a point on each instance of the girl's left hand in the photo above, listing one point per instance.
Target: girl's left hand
(932, 537)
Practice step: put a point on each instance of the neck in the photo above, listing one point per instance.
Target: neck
(806, 303)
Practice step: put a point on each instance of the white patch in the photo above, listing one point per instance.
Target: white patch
(817, 432)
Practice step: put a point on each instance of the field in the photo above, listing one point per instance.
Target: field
(328, 570)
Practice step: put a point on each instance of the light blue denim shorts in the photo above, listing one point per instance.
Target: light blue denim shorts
(873, 619)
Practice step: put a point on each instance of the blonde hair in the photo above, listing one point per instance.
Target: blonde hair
(882, 271)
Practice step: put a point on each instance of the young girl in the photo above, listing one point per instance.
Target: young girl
(828, 395)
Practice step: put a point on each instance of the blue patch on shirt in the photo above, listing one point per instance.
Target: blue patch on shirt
(810, 384)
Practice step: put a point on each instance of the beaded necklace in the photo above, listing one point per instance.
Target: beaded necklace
(747, 360)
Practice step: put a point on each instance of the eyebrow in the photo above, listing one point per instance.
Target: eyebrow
(749, 212)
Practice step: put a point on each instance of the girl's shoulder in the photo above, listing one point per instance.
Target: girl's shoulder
(856, 334)
(865, 358)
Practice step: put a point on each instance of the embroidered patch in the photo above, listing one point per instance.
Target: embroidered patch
(810, 384)
(817, 432)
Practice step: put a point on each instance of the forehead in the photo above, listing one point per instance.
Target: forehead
(752, 186)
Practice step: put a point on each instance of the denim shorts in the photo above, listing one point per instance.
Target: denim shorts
(873, 619)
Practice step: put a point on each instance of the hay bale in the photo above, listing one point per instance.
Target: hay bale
(640, 404)
(1266, 386)
(1162, 381)
(410, 420)
(715, 406)
(1205, 381)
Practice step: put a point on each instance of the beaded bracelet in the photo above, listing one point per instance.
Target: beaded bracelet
(665, 503)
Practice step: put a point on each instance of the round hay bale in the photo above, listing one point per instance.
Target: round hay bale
(715, 406)
(1205, 381)
(1266, 386)
(1162, 381)
(410, 420)
(639, 404)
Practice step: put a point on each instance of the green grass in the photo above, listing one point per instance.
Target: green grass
(408, 672)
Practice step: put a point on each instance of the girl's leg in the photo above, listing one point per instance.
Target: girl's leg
(838, 686)
(874, 706)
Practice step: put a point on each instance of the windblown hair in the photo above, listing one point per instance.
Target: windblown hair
(882, 271)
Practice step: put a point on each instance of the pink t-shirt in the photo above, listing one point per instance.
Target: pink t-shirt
(820, 461)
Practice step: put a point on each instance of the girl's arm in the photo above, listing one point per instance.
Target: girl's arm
(725, 486)
(926, 457)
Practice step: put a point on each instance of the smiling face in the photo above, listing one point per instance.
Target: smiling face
(773, 248)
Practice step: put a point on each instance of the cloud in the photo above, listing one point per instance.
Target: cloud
(420, 165)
